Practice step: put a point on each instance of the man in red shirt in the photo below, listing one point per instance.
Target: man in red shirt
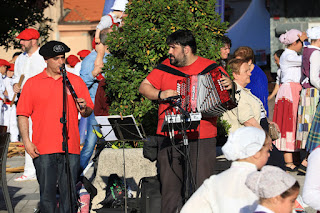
(42, 100)
(202, 142)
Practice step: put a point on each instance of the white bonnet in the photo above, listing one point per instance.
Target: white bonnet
(243, 143)
(313, 33)
(270, 182)
(119, 5)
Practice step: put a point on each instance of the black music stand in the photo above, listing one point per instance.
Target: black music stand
(125, 129)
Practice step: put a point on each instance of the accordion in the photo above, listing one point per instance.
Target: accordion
(204, 93)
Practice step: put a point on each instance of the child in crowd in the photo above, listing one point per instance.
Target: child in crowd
(276, 189)
(113, 18)
(108, 21)
(9, 108)
(276, 57)
(4, 64)
(248, 148)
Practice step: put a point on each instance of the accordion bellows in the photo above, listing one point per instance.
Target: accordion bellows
(205, 94)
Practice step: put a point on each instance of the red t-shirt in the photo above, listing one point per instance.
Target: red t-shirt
(163, 81)
(42, 99)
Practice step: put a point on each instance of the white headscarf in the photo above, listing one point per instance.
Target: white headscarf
(270, 182)
(243, 143)
(313, 33)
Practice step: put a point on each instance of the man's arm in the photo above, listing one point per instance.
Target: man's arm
(31, 149)
(16, 76)
(84, 110)
(150, 92)
(98, 63)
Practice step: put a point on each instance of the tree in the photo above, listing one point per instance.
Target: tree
(141, 45)
(20, 14)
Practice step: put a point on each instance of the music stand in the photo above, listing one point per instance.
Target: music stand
(121, 128)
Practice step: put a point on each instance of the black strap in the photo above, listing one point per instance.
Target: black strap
(171, 70)
(209, 68)
(179, 73)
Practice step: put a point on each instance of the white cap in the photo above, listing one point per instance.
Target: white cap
(270, 182)
(313, 33)
(243, 143)
(119, 5)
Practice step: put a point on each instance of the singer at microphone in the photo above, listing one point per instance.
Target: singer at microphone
(42, 99)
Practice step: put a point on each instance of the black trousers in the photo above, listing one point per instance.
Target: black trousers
(51, 169)
(170, 162)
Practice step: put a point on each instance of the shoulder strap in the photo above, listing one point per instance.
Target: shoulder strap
(171, 70)
(179, 73)
(209, 68)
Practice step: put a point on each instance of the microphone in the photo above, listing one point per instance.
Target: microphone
(63, 68)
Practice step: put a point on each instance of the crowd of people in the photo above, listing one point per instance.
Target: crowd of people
(259, 178)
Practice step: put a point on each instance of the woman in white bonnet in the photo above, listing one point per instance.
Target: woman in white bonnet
(248, 148)
(287, 99)
(276, 189)
(310, 112)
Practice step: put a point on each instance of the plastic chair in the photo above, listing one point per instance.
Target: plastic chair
(4, 143)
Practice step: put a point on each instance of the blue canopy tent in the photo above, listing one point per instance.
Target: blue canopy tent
(253, 30)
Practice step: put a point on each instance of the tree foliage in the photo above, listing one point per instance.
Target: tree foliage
(141, 45)
(20, 14)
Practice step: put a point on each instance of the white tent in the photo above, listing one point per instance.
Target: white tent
(252, 29)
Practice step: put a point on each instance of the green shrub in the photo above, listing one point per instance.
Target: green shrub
(141, 45)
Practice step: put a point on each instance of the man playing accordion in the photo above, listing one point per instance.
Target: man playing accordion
(160, 85)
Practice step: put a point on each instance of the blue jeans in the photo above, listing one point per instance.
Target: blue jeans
(51, 169)
(89, 143)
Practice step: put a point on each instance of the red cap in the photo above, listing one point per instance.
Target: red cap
(29, 34)
(4, 63)
(83, 53)
(73, 60)
(93, 44)
(11, 68)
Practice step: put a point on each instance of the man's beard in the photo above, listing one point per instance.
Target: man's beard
(26, 48)
(178, 63)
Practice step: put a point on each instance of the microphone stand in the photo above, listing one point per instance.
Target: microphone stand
(187, 171)
(65, 148)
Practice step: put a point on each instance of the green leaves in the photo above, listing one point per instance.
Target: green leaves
(141, 45)
(20, 14)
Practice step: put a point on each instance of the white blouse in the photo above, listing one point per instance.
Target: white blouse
(290, 65)
(225, 192)
(311, 189)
